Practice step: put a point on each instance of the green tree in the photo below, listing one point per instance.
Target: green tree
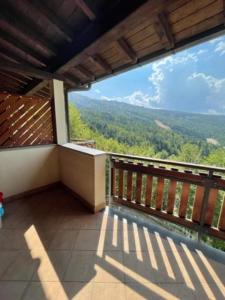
(190, 153)
(216, 158)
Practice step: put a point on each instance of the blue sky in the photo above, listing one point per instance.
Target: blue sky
(192, 80)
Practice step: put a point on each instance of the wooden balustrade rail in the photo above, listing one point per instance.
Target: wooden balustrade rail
(186, 197)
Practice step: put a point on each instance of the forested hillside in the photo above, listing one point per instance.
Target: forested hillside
(131, 129)
(122, 128)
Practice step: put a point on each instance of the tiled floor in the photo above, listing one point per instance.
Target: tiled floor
(52, 248)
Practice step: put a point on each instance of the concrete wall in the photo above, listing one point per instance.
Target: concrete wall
(60, 112)
(82, 170)
(24, 169)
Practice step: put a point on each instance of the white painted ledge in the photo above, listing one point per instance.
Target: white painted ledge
(84, 150)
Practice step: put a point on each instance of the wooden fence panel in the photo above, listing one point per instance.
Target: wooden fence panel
(199, 194)
(222, 217)
(129, 185)
(184, 199)
(155, 178)
(25, 120)
(121, 175)
(171, 196)
(211, 206)
(148, 195)
(138, 188)
(159, 193)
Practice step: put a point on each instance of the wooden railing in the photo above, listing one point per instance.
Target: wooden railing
(186, 194)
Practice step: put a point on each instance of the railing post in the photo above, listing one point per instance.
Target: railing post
(208, 186)
(110, 178)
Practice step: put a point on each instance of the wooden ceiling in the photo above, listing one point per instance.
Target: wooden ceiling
(81, 41)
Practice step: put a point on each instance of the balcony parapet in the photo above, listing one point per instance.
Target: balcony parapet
(190, 195)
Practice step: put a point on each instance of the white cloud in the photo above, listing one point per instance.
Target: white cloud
(220, 48)
(201, 51)
(136, 98)
(160, 68)
(216, 40)
(214, 91)
(97, 91)
(210, 80)
(176, 84)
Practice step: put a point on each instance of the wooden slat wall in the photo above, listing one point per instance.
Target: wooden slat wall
(25, 121)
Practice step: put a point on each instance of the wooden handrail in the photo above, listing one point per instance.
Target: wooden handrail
(167, 162)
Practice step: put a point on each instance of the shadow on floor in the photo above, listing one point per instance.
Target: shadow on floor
(52, 248)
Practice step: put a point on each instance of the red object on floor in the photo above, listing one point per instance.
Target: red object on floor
(1, 197)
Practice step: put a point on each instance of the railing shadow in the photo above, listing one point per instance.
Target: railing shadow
(57, 250)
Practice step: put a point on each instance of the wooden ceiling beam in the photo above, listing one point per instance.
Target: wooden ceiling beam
(74, 78)
(86, 9)
(44, 8)
(37, 88)
(71, 80)
(224, 11)
(28, 70)
(85, 72)
(127, 49)
(98, 36)
(44, 93)
(100, 62)
(163, 30)
(91, 39)
(10, 90)
(12, 17)
(18, 58)
(9, 82)
(19, 45)
(13, 77)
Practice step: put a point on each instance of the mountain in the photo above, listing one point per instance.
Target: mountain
(166, 130)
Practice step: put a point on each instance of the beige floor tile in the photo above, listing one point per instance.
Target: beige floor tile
(94, 221)
(12, 290)
(22, 268)
(64, 240)
(213, 270)
(12, 239)
(81, 266)
(137, 267)
(109, 291)
(36, 237)
(71, 222)
(109, 267)
(113, 240)
(75, 291)
(209, 291)
(87, 240)
(48, 222)
(134, 238)
(42, 291)
(7, 257)
(139, 291)
(52, 266)
(107, 240)
(168, 269)
(94, 256)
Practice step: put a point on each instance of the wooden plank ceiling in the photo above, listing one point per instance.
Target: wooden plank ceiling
(81, 41)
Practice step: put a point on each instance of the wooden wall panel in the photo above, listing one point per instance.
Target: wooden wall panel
(25, 121)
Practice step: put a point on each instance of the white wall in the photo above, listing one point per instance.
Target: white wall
(24, 169)
(79, 168)
(83, 171)
(60, 112)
